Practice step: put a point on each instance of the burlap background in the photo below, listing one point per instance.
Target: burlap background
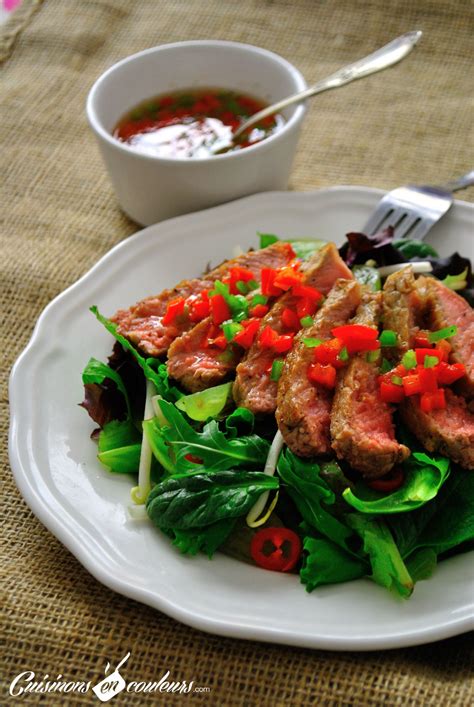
(59, 216)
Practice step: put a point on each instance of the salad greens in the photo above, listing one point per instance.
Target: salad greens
(209, 474)
(303, 248)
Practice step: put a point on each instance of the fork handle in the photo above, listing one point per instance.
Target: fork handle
(467, 180)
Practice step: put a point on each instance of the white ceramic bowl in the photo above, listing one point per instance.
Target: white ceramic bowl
(149, 188)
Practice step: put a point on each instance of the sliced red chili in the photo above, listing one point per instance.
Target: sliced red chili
(428, 380)
(277, 549)
(268, 337)
(411, 384)
(283, 343)
(433, 401)
(444, 347)
(357, 337)
(422, 340)
(421, 353)
(307, 292)
(199, 308)
(174, 309)
(328, 352)
(239, 274)
(390, 483)
(287, 277)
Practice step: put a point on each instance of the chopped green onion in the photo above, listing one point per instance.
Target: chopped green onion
(386, 366)
(344, 354)
(242, 287)
(371, 356)
(230, 329)
(388, 338)
(277, 367)
(409, 359)
(252, 285)
(258, 299)
(240, 317)
(311, 343)
(445, 333)
(306, 321)
(431, 361)
(396, 380)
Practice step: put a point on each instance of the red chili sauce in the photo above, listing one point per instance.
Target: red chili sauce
(194, 123)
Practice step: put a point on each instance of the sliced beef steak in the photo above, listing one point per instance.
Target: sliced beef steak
(449, 431)
(362, 428)
(445, 308)
(303, 408)
(401, 304)
(195, 364)
(253, 387)
(143, 324)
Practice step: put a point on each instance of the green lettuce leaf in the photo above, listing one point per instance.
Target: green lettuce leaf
(442, 524)
(303, 248)
(206, 403)
(425, 475)
(388, 568)
(326, 563)
(206, 540)
(122, 460)
(211, 446)
(96, 372)
(198, 499)
(153, 368)
(312, 496)
(119, 447)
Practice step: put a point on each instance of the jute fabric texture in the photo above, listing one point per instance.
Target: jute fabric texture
(59, 215)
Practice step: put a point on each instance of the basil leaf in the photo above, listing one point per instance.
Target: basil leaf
(199, 499)
(424, 477)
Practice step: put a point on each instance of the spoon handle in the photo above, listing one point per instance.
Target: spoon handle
(388, 55)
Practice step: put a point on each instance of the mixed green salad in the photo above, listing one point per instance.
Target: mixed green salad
(211, 476)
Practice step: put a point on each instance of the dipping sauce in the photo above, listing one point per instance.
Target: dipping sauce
(194, 123)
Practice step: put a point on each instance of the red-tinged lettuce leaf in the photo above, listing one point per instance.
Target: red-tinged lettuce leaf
(379, 247)
(105, 396)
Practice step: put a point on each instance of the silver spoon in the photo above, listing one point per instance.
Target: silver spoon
(390, 54)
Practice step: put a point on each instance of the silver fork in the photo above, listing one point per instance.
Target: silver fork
(413, 210)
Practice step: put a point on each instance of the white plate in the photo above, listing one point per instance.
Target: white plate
(56, 470)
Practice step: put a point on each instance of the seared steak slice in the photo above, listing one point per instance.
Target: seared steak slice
(449, 431)
(401, 303)
(142, 323)
(445, 308)
(253, 387)
(195, 364)
(303, 408)
(362, 429)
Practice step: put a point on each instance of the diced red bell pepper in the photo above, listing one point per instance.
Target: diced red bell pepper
(421, 353)
(444, 347)
(283, 343)
(305, 307)
(290, 319)
(174, 309)
(307, 292)
(267, 337)
(268, 288)
(433, 401)
(259, 310)
(246, 337)
(449, 373)
(412, 384)
(428, 380)
(219, 309)
(287, 277)
(199, 308)
(322, 374)
(357, 337)
(220, 341)
(238, 274)
(391, 393)
(422, 340)
(328, 352)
